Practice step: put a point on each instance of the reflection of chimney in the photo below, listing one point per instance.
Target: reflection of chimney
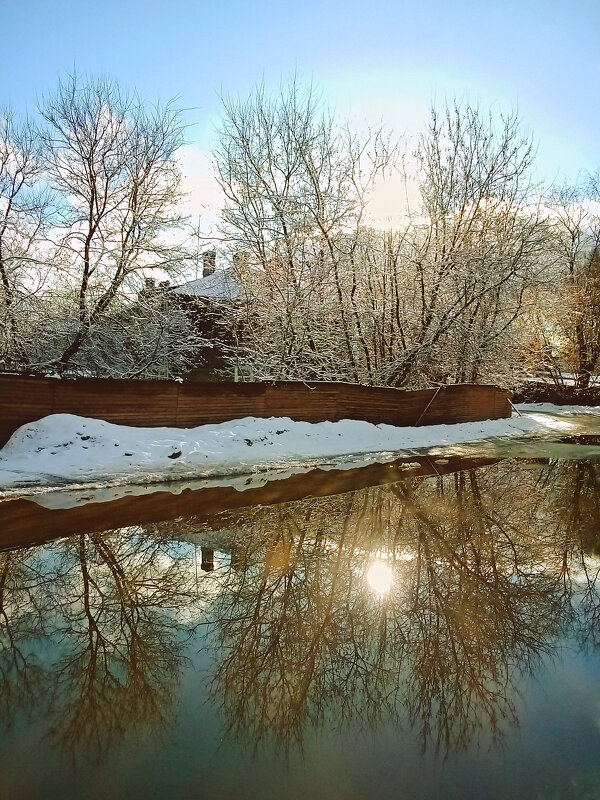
(209, 262)
(208, 558)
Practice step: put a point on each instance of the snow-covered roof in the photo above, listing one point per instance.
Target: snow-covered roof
(220, 285)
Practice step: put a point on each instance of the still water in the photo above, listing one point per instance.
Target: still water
(428, 636)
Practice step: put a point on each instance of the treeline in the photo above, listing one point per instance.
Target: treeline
(487, 277)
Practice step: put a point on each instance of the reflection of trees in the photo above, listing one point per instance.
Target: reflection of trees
(574, 490)
(490, 569)
(475, 603)
(479, 613)
(23, 681)
(123, 653)
(118, 604)
(289, 621)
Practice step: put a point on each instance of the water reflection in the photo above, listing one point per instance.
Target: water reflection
(92, 636)
(471, 610)
(423, 603)
(380, 577)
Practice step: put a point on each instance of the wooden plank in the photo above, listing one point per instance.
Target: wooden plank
(168, 403)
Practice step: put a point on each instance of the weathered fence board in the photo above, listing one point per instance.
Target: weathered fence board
(172, 404)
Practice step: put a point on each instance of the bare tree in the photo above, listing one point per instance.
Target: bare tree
(24, 217)
(476, 248)
(576, 241)
(333, 298)
(113, 162)
(296, 186)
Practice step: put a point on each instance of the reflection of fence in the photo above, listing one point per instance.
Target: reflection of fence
(168, 403)
(24, 523)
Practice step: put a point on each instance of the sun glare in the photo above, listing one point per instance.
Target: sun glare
(379, 577)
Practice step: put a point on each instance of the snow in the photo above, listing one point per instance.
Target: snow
(219, 285)
(68, 449)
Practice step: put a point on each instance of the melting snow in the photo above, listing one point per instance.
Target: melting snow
(64, 448)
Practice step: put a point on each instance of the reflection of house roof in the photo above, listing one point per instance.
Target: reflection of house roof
(219, 286)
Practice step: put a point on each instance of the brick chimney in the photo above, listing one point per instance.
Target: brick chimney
(240, 263)
(209, 262)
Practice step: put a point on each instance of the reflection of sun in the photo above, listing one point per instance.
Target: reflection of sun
(379, 577)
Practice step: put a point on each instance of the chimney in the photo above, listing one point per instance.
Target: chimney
(209, 262)
(240, 263)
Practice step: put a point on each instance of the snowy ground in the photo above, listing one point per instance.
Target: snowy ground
(66, 449)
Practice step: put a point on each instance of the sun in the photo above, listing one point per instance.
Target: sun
(380, 577)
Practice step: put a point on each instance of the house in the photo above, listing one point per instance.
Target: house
(214, 287)
(213, 302)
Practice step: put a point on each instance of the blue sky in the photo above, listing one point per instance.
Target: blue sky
(373, 60)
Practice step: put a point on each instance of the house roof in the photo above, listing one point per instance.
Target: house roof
(219, 286)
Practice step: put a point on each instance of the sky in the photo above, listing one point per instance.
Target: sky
(373, 61)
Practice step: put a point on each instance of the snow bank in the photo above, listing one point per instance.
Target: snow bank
(64, 448)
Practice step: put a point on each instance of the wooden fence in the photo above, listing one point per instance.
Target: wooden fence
(181, 405)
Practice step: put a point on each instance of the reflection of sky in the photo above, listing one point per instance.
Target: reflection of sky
(552, 755)
(352, 550)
